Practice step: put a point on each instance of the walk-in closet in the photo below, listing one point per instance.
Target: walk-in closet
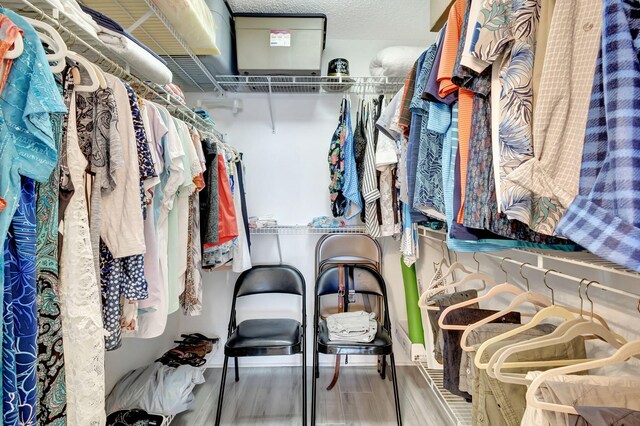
(355, 212)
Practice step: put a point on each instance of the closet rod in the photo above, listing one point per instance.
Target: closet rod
(593, 283)
(157, 93)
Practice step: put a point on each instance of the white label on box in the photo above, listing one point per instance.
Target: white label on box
(280, 38)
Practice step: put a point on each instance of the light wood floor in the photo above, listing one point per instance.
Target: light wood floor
(272, 396)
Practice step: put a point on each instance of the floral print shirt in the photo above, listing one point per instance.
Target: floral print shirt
(505, 36)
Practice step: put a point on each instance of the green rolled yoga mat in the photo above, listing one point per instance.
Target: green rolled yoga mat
(414, 316)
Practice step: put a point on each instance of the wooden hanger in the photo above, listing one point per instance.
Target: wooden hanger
(625, 352)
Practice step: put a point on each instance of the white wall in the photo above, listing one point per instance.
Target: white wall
(135, 353)
(287, 176)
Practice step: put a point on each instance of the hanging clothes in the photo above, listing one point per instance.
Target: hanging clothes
(27, 145)
(20, 325)
(152, 319)
(605, 216)
(510, 46)
(124, 277)
(370, 192)
(241, 255)
(51, 387)
(82, 324)
(561, 113)
(336, 164)
(209, 198)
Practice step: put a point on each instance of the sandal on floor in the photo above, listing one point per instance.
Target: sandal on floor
(199, 336)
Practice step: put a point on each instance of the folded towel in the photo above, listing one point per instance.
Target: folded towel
(147, 66)
(359, 326)
(106, 22)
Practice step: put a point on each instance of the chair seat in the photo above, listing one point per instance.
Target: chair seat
(380, 345)
(260, 337)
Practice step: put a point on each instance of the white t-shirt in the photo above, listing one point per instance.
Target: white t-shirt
(122, 227)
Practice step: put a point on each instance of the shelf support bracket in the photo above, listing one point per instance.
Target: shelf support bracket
(141, 20)
(273, 123)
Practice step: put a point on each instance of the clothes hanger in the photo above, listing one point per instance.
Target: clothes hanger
(553, 311)
(88, 66)
(626, 351)
(444, 263)
(498, 363)
(529, 296)
(567, 334)
(102, 81)
(498, 289)
(455, 266)
(53, 38)
(18, 43)
(424, 303)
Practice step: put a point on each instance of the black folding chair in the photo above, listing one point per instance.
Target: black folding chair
(264, 337)
(357, 279)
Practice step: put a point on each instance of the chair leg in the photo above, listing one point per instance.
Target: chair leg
(383, 368)
(237, 368)
(221, 393)
(396, 396)
(316, 374)
(304, 384)
(317, 366)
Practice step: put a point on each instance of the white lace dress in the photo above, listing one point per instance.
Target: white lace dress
(82, 329)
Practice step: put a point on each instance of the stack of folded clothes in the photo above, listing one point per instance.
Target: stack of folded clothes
(73, 10)
(140, 57)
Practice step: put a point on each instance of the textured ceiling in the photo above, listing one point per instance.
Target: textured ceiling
(405, 20)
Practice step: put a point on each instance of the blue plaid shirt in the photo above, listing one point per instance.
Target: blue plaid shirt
(605, 216)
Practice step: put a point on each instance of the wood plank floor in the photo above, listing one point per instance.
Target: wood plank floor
(272, 396)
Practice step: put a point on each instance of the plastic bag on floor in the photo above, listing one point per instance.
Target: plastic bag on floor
(156, 388)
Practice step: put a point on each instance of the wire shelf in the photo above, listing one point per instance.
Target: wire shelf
(307, 230)
(149, 25)
(309, 84)
(583, 259)
(92, 48)
(456, 408)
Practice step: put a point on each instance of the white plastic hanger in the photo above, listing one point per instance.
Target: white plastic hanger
(424, 302)
(88, 66)
(531, 297)
(567, 333)
(18, 48)
(625, 352)
(49, 35)
(444, 263)
(102, 81)
(554, 311)
(499, 289)
(455, 266)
